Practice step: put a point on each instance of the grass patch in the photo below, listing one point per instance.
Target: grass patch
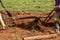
(28, 5)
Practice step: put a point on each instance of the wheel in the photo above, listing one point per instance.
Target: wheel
(57, 27)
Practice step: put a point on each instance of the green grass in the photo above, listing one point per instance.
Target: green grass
(28, 5)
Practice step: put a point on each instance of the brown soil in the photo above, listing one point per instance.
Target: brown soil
(20, 28)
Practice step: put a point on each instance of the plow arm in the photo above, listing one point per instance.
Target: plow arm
(5, 9)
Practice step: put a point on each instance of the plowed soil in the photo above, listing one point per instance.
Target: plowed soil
(21, 27)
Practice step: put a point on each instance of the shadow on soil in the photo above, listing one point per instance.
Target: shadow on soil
(34, 25)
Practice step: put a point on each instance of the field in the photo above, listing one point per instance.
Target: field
(17, 28)
(25, 19)
(29, 5)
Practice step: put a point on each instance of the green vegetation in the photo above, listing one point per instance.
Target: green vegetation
(28, 5)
